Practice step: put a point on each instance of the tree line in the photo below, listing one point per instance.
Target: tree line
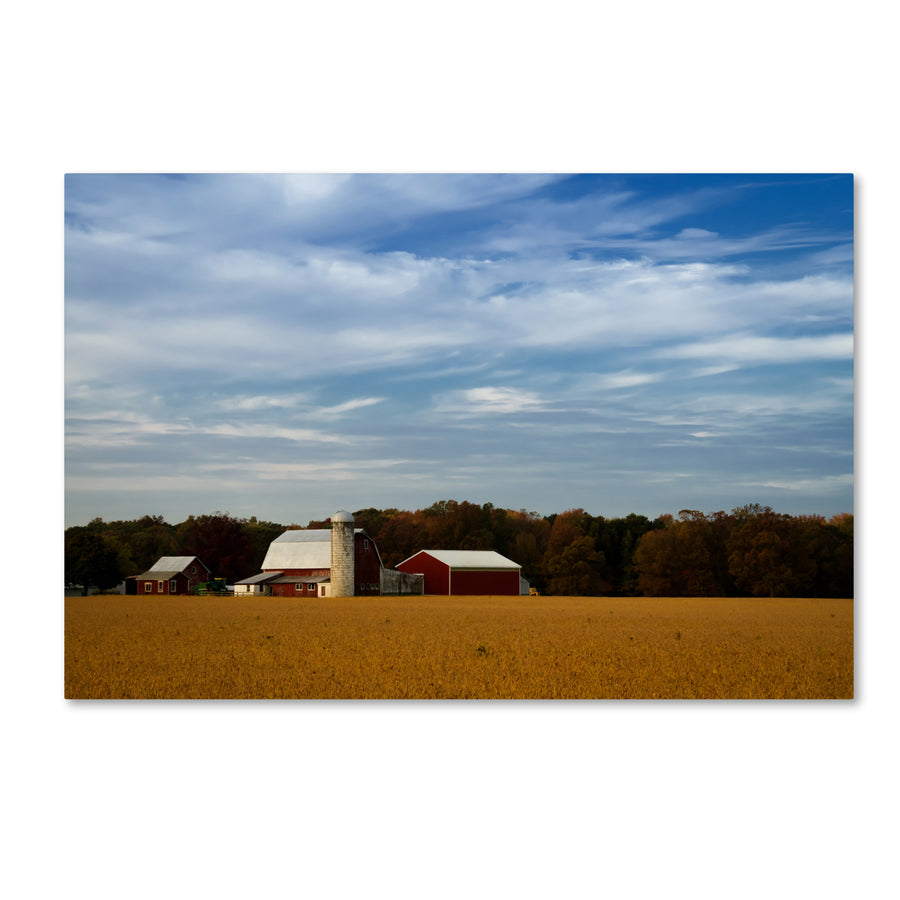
(751, 551)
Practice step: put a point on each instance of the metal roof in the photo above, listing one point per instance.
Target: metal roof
(311, 551)
(173, 563)
(167, 567)
(308, 548)
(470, 559)
(259, 579)
(306, 535)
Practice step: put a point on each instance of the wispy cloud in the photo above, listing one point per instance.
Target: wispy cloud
(132, 430)
(487, 401)
(239, 403)
(286, 325)
(756, 349)
(619, 380)
(340, 409)
(826, 484)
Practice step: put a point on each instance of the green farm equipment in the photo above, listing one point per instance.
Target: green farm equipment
(215, 586)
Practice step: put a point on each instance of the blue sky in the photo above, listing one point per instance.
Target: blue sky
(288, 346)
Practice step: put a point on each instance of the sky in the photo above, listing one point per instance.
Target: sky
(287, 346)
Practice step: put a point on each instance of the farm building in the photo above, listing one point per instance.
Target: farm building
(465, 572)
(169, 575)
(340, 561)
(256, 585)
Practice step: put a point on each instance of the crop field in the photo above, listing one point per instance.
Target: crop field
(457, 647)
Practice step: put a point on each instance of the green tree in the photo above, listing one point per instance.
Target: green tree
(91, 559)
(148, 538)
(260, 535)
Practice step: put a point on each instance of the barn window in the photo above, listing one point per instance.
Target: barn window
(161, 585)
(148, 587)
(193, 570)
(173, 586)
(311, 587)
(365, 545)
(298, 587)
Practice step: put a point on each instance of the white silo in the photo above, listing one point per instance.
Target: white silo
(342, 558)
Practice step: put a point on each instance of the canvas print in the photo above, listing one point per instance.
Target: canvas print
(459, 436)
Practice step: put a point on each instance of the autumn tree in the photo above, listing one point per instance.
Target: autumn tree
(687, 557)
(572, 566)
(830, 545)
(221, 542)
(529, 537)
(841, 526)
(618, 539)
(703, 545)
(768, 556)
(658, 564)
(750, 550)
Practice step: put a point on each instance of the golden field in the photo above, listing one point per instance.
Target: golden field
(457, 647)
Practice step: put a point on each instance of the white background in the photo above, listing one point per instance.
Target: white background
(110, 800)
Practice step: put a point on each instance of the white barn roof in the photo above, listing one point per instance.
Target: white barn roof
(309, 548)
(471, 559)
(171, 563)
(167, 567)
(262, 578)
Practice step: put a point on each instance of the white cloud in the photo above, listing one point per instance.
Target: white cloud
(333, 412)
(305, 189)
(240, 403)
(144, 482)
(306, 309)
(131, 429)
(624, 379)
(833, 256)
(824, 484)
(302, 402)
(344, 470)
(265, 431)
(487, 401)
(746, 348)
(746, 409)
(710, 371)
(215, 313)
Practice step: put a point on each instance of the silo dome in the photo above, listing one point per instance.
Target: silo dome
(342, 516)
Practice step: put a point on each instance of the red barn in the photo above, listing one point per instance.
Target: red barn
(172, 575)
(300, 561)
(464, 571)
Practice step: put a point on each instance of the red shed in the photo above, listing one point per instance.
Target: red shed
(173, 575)
(464, 571)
